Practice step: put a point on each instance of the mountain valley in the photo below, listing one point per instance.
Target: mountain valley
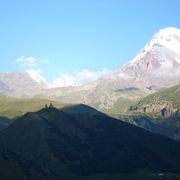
(124, 125)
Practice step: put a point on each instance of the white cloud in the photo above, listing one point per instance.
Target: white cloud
(167, 69)
(30, 62)
(27, 61)
(66, 79)
(78, 78)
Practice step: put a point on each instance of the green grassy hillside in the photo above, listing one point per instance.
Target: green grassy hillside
(13, 107)
(171, 95)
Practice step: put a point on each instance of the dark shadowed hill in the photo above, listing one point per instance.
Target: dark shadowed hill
(81, 109)
(4, 122)
(73, 145)
(15, 167)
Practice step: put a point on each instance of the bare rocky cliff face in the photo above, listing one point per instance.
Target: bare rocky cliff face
(165, 110)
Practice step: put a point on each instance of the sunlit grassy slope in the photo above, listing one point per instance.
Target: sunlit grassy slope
(171, 95)
(13, 107)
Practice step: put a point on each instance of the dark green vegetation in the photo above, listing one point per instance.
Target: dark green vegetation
(169, 127)
(4, 122)
(81, 143)
(15, 167)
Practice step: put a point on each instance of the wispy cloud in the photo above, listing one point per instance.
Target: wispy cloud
(78, 78)
(27, 61)
(30, 62)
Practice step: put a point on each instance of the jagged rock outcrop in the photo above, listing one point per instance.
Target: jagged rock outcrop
(164, 109)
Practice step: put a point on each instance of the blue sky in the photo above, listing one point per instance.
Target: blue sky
(71, 36)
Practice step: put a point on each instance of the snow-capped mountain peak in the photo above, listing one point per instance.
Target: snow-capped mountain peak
(167, 37)
(22, 82)
(157, 63)
(35, 75)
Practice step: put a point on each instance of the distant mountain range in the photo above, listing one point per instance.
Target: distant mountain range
(156, 66)
(126, 93)
(21, 83)
(49, 133)
(81, 143)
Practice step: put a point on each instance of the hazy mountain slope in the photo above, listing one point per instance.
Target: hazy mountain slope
(22, 83)
(4, 88)
(103, 95)
(74, 145)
